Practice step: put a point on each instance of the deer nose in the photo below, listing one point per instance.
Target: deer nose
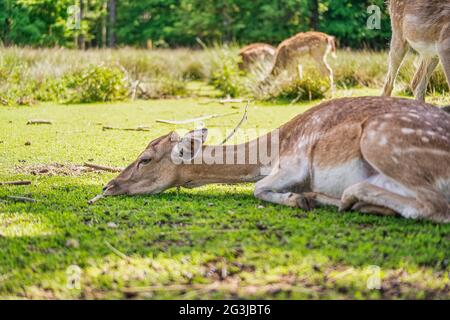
(109, 185)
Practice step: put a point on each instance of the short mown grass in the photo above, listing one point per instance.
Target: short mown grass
(212, 242)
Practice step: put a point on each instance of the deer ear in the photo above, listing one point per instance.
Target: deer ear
(199, 134)
(174, 137)
(190, 145)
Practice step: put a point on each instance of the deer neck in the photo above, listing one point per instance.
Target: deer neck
(228, 164)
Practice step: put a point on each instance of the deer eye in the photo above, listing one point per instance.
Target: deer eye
(144, 161)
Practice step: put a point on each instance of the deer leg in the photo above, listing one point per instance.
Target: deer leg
(276, 188)
(280, 64)
(418, 75)
(281, 61)
(403, 188)
(242, 64)
(322, 199)
(396, 54)
(444, 54)
(325, 69)
(330, 73)
(373, 209)
(429, 205)
(422, 77)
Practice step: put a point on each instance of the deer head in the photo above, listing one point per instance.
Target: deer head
(158, 167)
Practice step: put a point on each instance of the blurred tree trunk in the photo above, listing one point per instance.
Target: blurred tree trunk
(81, 41)
(112, 22)
(5, 27)
(104, 24)
(314, 22)
(89, 41)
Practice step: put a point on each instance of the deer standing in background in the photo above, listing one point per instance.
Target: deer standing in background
(425, 26)
(256, 52)
(316, 44)
(379, 155)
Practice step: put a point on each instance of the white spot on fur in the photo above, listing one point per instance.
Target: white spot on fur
(371, 134)
(435, 152)
(413, 115)
(407, 130)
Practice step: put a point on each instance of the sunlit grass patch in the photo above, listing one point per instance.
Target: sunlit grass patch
(20, 224)
(217, 241)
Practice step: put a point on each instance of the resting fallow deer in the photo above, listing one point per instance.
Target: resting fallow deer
(380, 155)
(316, 44)
(256, 52)
(423, 25)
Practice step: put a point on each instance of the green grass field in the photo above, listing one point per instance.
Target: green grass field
(211, 242)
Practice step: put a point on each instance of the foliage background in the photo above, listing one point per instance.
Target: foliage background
(173, 23)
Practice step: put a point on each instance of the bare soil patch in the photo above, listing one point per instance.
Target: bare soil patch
(54, 169)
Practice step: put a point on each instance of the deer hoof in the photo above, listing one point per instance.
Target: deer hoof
(305, 203)
(347, 203)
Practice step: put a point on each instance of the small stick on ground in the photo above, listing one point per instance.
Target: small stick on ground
(21, 199)
(244, 117)
(39, 121)
(211, 116)
(15, 183)
(117, 252)
(140, 128)
(230, 100)
(103, 168)
(95, 199)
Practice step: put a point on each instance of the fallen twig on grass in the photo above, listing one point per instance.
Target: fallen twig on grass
(230, 100)
(117, 252)
(15, 183)
(140, 128)
(211, 116)
(95, 199)
(244, 117)
(225, 100)
(39, 121)
(21, 199)
(101, 167)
